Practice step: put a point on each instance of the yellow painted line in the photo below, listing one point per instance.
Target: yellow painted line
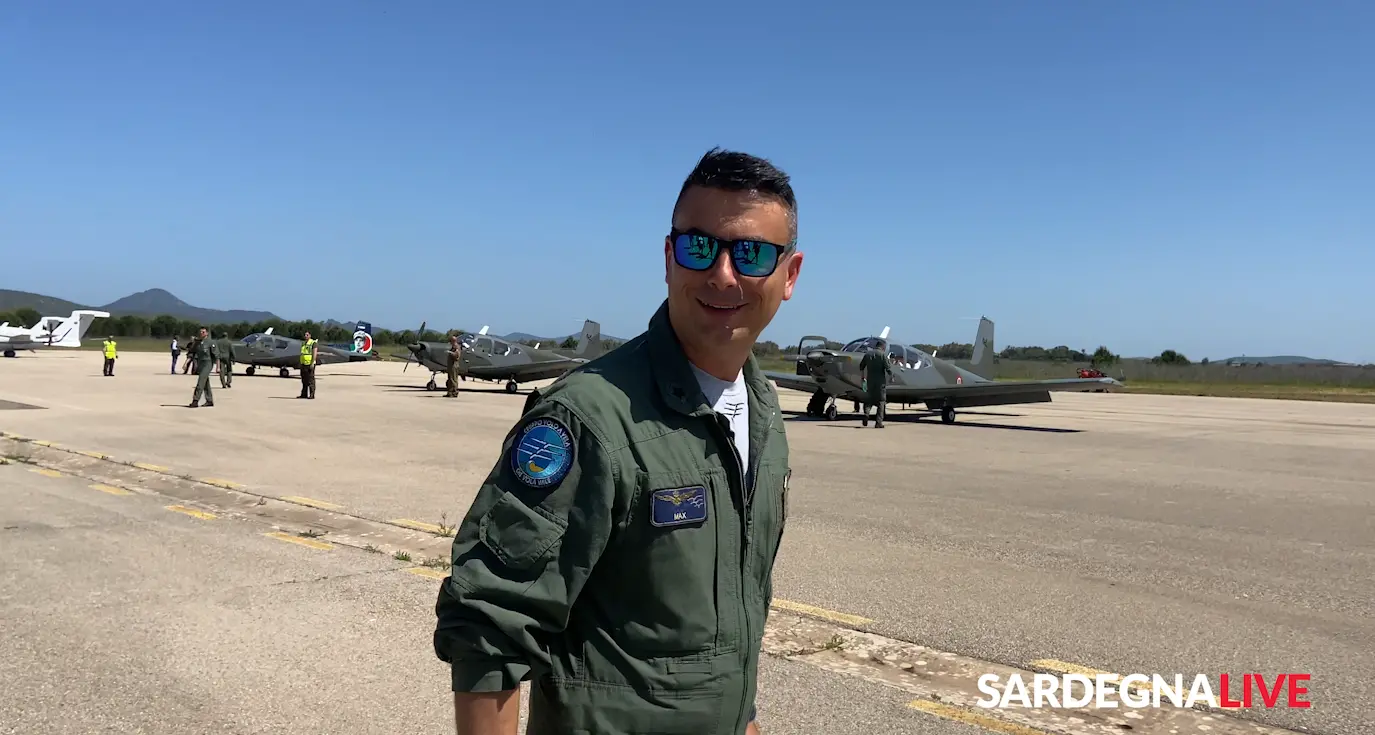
(322, 505)
(820, 612)
(97, 455)
(217, 482)
(150, 467)
(46, 472)
(971, 717)
(426, 572)
(192, 512)
(9, 435)
(43, 443)
(110, 489)
(417, 525)
(302, 540)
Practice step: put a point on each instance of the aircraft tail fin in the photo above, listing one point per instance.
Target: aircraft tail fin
(982, 362)
(65, 332)
(590, 342)
(362, 338)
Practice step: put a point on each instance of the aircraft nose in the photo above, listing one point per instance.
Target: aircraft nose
(819, 358)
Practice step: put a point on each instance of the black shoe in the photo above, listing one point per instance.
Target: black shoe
(209, 405)
(194, 405)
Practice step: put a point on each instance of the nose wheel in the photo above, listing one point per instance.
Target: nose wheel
(822, 405)
(947, 415)
(511, 386)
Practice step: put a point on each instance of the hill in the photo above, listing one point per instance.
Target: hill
(527, 337)
(153, 302)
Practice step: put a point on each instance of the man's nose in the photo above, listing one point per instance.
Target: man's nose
(722, 273)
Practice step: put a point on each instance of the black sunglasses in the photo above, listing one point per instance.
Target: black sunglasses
(697, 251)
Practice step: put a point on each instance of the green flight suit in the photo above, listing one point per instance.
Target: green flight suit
(226, 361)
(634, 590)
(206, 355)
(876, 370)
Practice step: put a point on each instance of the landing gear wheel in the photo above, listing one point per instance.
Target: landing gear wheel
(948, 415)
(284, 372)
(250, 370)
(511, 386)
(431, 385)
(817, 405)
(831, 412)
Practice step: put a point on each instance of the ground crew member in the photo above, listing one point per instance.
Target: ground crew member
(310, 355)
(192, 350)
(877, 370)
(226, 351)
(455, 359)
(207, 352)
(176, 352)
(607, 556)
(111, 354)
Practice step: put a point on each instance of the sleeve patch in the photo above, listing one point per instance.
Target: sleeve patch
(543, 453)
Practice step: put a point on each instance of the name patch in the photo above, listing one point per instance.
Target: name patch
(678, 506)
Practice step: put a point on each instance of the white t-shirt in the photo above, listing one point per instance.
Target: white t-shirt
(732, 401)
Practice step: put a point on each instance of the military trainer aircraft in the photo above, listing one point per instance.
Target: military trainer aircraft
(918, 377)
(49, 332)
(493, 358)
(266, 349)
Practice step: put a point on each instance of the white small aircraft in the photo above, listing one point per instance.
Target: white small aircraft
(49, 332)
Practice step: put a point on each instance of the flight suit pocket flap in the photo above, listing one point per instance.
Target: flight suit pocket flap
(518, 534)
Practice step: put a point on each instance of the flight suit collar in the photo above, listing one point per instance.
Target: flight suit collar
(673, 373)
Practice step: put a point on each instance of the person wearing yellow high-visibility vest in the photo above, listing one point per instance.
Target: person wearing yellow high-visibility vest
(110, 354)
(310, 355)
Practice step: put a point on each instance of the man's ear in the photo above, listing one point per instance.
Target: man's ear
(794, 269)
(668, 256)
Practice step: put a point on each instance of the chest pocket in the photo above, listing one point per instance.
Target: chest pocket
(666, 571)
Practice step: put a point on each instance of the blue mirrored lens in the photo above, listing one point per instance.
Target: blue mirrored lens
(694, 252)
(755, 258)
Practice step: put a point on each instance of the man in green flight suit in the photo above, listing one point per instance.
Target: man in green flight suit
(206, 355)
(226, 359)
(620, 553)
(876, 371)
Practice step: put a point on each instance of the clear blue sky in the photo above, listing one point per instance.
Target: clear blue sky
(1146, 175)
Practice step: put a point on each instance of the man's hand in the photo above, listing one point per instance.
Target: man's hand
(487, 713)
(752, 728)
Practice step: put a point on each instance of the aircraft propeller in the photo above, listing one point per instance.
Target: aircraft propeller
(415, 348)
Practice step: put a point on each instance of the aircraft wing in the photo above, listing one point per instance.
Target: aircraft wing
(998, 392)
(804, 383)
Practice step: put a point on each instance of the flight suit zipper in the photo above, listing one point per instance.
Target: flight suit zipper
(745, 473)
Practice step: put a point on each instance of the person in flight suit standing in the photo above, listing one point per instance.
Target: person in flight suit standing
(455, 360)
(876, 371)
(620, 552)
(310, 355)
(226, 358)
(206, 354)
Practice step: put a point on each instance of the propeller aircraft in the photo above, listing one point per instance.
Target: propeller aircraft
(493, 358)
(50, 332)
(266, 349)
(918, 377)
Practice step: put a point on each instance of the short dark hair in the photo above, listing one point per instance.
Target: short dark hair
(736, 171)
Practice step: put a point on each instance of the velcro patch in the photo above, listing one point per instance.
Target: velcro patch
(678, 506)
(543, 453)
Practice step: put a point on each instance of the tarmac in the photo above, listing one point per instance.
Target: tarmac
(1100, 532)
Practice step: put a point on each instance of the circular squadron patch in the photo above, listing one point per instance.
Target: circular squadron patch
(543, 453)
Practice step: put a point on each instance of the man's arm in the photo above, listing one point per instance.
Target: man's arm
(521, 556)
(497, 713)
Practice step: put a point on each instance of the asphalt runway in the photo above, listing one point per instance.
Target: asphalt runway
(1124, 533)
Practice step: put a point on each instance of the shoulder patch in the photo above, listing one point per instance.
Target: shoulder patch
(543, 453)
(678, 506)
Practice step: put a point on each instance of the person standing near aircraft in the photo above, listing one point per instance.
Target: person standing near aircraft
(876, 370)
(176, 352)
(192, 350)
(455, 359)
(607, 555)
(111, 354)
(206, 354)
(310, 355)
(226, 360)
